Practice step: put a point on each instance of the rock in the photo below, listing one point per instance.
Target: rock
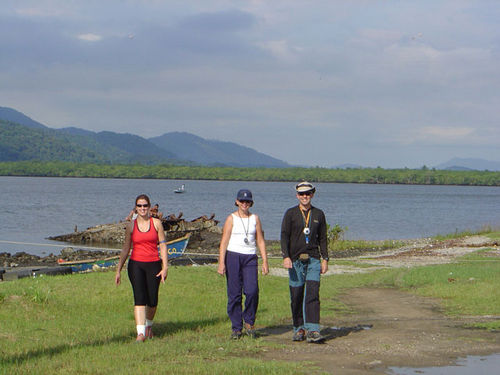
(67, 251)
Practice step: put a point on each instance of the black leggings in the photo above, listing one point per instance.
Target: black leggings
(144, 282)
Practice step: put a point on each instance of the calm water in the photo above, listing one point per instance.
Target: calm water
(35, 207)
(477, 365)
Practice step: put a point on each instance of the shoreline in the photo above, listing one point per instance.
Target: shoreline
(407, 247)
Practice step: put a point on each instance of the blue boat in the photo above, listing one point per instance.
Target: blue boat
(175, 248)
(90, 264)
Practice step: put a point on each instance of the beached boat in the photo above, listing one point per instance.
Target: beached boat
(89, 265)
(182, 189)
(175, 248)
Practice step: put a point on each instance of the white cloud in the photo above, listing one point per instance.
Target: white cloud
(89, 37)
(281, 49)
(390, 75)
(446, 133)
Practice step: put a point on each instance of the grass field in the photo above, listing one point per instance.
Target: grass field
(84, 324)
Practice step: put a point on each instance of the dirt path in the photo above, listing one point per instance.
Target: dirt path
(391, 328)
(406, 331)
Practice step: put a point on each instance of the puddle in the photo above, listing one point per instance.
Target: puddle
(472, 365)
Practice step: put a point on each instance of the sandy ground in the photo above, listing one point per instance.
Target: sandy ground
(389, 327)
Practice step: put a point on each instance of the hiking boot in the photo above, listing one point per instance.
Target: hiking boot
(149, 332)
(236, 335)
(314, 336)
(300, 335)
(140, 338)
(250, 331)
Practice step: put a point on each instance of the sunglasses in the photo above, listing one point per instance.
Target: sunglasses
(305, 193)
(249, 202)
(142, 205)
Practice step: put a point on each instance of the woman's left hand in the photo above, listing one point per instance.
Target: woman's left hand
(163, 274)
(265, 268)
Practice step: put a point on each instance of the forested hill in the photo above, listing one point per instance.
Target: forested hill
(18, 142)
(211, 152)
(143, 150)
(26, 139)
(11, 115)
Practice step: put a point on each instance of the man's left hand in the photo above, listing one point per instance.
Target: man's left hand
(324, 266)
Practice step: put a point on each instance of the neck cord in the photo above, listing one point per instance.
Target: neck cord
(306, 220)
(245, 229)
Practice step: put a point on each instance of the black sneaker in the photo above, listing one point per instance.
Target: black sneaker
(314, 337)
(300, 335)
(236, 335)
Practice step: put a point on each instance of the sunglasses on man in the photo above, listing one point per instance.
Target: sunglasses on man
(305, 193)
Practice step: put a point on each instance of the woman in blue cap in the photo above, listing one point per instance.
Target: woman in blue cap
(241, 235)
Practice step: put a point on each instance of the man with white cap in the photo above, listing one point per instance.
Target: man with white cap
(304, 247)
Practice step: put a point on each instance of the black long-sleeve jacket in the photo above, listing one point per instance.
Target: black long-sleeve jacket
(293, 240)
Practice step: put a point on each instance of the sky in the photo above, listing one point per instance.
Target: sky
(388, 83)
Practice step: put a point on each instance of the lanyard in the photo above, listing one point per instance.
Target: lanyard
(246, 240)
(307, 222)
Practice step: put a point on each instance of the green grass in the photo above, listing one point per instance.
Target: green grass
(274, 247)
(84, 324)
(486, 230)
(342, 245)
(494, 235)
(471, 286)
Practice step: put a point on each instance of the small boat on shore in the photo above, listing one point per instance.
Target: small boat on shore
(182, 189)
(175, 248)
(89, 265)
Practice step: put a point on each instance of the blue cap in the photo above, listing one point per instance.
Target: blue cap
(244, 195)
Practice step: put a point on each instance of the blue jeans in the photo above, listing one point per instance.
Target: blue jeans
(304, 283)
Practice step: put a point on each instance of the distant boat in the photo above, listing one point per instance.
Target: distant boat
(175, 248)
(180, 190)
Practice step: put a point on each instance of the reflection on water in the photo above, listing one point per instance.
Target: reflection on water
(472, 365)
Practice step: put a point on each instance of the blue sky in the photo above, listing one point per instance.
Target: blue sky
(377, 83)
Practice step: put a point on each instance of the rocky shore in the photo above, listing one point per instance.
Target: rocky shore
(204, 233)
(204, 238)
(22, 259)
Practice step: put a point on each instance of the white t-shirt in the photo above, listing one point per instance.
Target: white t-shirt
(243, 227)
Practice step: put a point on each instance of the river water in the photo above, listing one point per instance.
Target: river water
(37, 207)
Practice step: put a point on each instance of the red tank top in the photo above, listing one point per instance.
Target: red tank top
(144, 244)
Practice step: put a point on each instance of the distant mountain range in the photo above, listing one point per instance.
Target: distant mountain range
(22, 138)
(461, 164)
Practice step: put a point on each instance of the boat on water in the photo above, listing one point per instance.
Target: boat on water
(182, 189)
(175, 248)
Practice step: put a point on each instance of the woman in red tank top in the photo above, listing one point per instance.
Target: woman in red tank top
(145, 268)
